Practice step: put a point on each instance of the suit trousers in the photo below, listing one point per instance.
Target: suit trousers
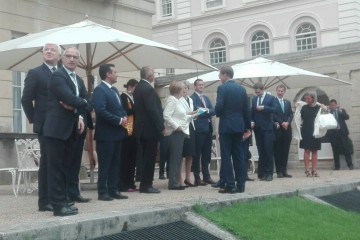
(109, 157)
(281, 149)
(72, 166)
(42, 174)
(233, 160)
(203, 155)
(149, 149)
(264, 143)
(164, 155)
(128, 163)
(176, 143)
(339, 141)
(57, 151)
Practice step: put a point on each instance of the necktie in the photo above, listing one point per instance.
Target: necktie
(73, 78)
(203, 100)
(116, 92)
(53, 69)
(259, 100)
(282, 105)
(336, 115)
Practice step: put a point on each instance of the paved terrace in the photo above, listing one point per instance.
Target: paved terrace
(19, 215)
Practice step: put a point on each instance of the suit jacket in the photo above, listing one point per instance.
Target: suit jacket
(149, 121)
(232, 108)
(203, 122)
(36, 89)
(188, 108)
(342, 117)
(264, 119)
(60, 123)
(287, 115)
(108, 112)
(175, 116)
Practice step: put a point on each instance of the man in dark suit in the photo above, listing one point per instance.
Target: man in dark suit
(67, 106)
(111, 121)
(34, 102)
(203, 135)
(234, 127)
(149, 126)
(339, 137)
(262, 110)
(283, 134)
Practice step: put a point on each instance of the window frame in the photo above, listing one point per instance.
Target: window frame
(302, 39)
(205, 8)
(166, 2)
(217, 50)
(18, 76)
(265, 41)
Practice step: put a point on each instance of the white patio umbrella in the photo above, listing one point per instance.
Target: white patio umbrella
(98, 44)
(272, 73)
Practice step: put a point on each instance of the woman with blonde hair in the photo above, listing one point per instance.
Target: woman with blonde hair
(177, 122)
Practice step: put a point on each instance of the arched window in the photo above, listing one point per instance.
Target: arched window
(306, 37)
(217, 51)
(260, 44)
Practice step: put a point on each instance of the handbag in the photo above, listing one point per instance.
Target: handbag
(327, 121)
(130, 121)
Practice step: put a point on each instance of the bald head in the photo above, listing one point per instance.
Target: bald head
(147, 73)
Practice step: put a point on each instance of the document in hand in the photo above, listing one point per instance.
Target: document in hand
(201, 111)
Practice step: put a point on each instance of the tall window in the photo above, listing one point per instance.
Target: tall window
(217, 51)
(170, 71)
(260, 44)
(306, 37)
(213, 3)
(166, 8)
(17, 110)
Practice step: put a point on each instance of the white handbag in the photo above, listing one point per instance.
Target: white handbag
(327, 121)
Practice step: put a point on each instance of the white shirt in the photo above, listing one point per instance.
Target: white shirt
(74, 80)
(50, 67)
(175, 116)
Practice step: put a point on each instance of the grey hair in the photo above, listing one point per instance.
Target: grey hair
(187, 84)
(58, 47)
(71, 48)
(312, 95)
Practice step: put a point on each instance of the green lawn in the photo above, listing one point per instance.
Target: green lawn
(285, 218)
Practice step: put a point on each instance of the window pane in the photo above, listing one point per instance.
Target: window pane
(213, 3)
(166, 8)
(306, 37)
(260, 44)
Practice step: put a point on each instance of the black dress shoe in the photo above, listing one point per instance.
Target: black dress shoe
(177, 188)
(286, 175)
(81, 199)
(263, 178)
(280, 175)
(105, 197)
(162, 177)
(240, 189)
(118, 196)
(351, 167)
(218, 185)
(198, 182)
(65, 211)
(209, 181)
(189, 184)
(46, 208)
(269, 178)
(150, 190)
(336, 169)
(249, 179)
(70, 203)
(228, 190)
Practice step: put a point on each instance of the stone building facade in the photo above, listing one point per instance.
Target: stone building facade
(20, 17)
(317, 35)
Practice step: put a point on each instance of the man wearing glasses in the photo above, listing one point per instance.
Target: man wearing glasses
(67, 105)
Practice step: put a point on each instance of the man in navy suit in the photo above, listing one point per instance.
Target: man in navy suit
(67, 106)
(34, 102)
(149, 127)
(262, 121)
(339, 137)
(203, 135)
(111, 121)
(234, 127)
(283, 134)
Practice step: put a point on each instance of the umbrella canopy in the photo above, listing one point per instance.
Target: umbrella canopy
(98, 44)
(272, 73)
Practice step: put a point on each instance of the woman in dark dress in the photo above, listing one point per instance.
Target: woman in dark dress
(309, 143)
